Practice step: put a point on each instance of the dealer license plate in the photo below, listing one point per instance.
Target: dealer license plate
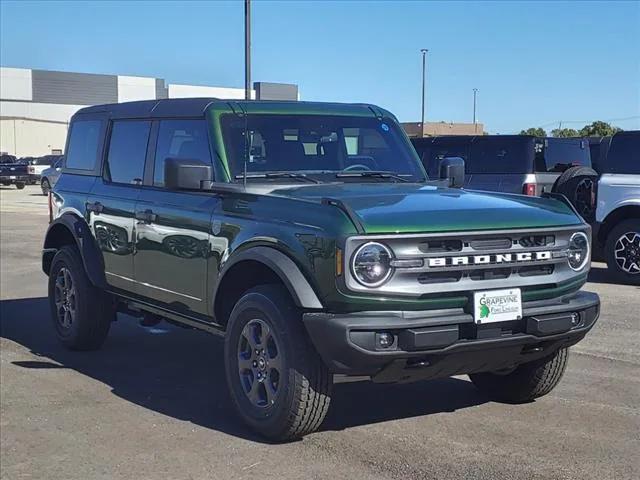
(497, 305)
(12, 177)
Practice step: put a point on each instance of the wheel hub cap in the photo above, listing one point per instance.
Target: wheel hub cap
(627, 253)
(259, 363)
(65, 298)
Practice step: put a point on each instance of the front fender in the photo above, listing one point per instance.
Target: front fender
(301, 291)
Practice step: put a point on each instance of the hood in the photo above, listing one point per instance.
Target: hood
(418, 208)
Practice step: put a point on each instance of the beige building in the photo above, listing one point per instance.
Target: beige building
(36, 105)
(431, 129)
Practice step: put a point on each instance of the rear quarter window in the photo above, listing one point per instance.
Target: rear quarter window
(82, 152)
(561, 153)
(624, 154)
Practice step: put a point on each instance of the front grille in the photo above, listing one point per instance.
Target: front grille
(471, 261)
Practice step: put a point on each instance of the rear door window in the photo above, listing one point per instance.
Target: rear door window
(185, 139)
(127, 151)
(82, 152)
(496, 155)
(624, 154)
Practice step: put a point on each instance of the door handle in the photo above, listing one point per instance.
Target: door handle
(147, 216)
(95, 207)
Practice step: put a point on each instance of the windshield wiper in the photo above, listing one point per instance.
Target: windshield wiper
(371, 174)
(293, 175)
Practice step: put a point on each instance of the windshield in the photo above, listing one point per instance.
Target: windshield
(318, 145)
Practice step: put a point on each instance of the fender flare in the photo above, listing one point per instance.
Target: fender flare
(301, 291)
(91, 255)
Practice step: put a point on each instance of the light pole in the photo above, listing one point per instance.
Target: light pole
(247, 49)
(475, 126)
(424, 76)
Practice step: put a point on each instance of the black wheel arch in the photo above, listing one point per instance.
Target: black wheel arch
(70, 229)
(613, 218)
(266, 265)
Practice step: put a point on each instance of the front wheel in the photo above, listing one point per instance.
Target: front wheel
(622, 251)
(527, 382)
(277, 381)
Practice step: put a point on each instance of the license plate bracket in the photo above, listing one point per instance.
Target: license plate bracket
(490, 306)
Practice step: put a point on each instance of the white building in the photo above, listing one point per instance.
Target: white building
(36, 105)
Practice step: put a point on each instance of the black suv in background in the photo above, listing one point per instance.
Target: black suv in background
(521, 164)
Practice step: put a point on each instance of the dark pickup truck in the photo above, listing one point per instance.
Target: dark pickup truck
(12, 172)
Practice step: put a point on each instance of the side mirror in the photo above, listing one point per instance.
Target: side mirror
(186, 174)
(452, 169)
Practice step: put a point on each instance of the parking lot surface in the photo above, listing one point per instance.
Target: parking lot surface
(153, 402)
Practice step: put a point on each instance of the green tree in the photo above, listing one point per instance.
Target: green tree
(564, 132)
(598, 129)
(537, 132)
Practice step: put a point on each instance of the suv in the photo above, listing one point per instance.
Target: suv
(39, 165)
(49, 176)
(308, 235)
(506, 163)
(617, 227)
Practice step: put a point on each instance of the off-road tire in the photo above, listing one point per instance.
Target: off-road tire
(93, 309)
(45, 186)
(20, 185)
(527, 382)
(304, 387)
(572, 183)
(625, 228)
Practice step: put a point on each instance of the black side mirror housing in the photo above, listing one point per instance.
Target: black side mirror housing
(186, 174)
(452, 170)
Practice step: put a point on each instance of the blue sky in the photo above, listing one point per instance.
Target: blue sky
(534, 63)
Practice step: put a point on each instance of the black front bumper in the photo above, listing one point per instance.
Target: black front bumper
(441, 343)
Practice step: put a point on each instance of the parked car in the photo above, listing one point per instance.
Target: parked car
(617, 226)
(12, 172)
(518, 164)
(308, 236)
(38, 164)
(49, 176)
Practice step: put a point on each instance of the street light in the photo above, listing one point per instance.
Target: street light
(475, 127)
(424, 75)
(247, 49)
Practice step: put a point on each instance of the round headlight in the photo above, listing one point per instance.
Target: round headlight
(578, 253)
(371, 264)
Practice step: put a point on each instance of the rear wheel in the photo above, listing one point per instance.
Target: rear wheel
(278, 383)
(46, 187)
(578, 184)
(622, 251)
(527, 382)
(81, 313)
(20, 185)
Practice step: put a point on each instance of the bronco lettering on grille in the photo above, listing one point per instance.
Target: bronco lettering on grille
(500, 258)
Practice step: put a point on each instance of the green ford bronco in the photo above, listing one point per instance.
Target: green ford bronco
(309, 236)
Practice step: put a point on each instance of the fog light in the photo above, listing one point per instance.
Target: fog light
(385, 340)
(575, 319)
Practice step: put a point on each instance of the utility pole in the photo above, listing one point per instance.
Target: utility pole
(475, 125)
(247, 49)
(424, 81)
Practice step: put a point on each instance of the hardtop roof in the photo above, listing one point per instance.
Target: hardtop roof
(196, 107)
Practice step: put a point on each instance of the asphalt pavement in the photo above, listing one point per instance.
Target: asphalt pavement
(152, 403)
